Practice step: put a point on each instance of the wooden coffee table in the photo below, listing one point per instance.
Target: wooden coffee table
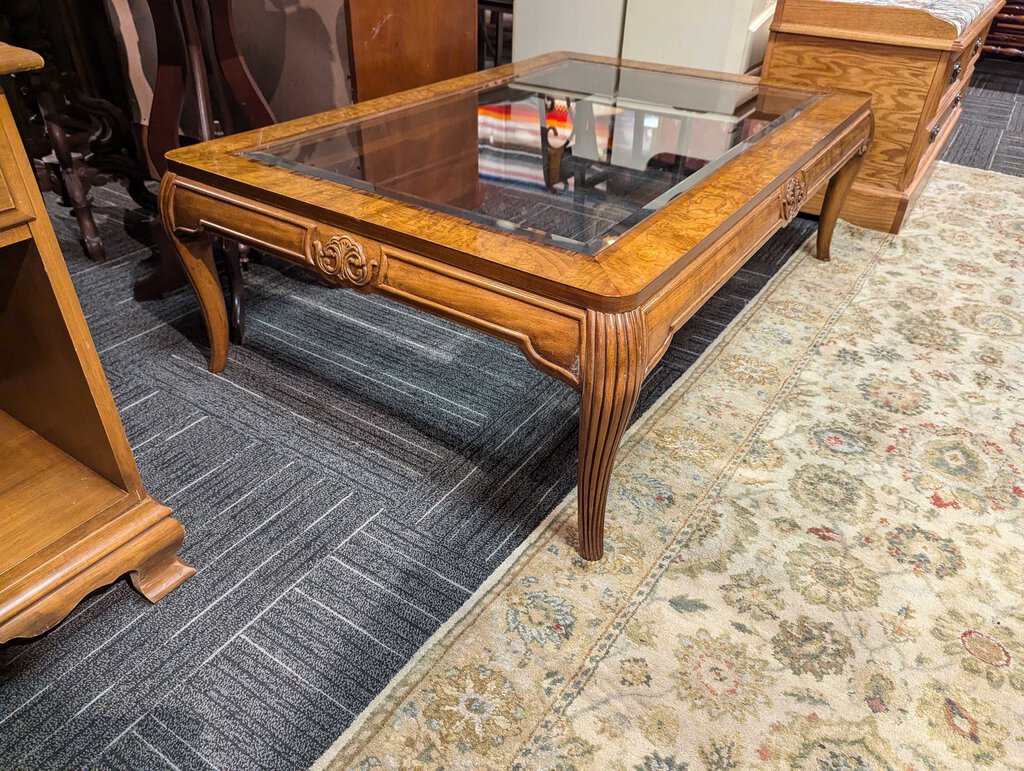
(580, 208)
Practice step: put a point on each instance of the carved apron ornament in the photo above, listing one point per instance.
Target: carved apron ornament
(342, 256)
(793, 198)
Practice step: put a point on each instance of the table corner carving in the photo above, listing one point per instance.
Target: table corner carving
(343, 259)
(794, 195)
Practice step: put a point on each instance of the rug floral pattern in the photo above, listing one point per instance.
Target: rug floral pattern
(815, 542)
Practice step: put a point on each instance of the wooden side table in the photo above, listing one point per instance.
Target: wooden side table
(73, 511)
(917, 66)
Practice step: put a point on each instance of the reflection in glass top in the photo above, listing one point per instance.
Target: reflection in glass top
(573, 154)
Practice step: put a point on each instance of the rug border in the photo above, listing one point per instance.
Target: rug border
(692, 373)
(508, 565)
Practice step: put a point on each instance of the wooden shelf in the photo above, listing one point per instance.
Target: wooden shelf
(74, 514)
(44, 493)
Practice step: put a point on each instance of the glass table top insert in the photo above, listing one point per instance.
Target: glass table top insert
(574, 153)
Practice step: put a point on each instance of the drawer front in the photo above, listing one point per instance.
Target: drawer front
(931, 133)
(958, 74)
(962, 65)
(931, 129)
(935, 131)
(957, 70)
(957, 92)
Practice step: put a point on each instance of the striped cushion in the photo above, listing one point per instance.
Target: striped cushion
(960, 13)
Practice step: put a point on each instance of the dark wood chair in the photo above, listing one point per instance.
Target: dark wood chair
(393, 45)
(196, 47)
(492, 49)
(1006, 39)
(72, 113)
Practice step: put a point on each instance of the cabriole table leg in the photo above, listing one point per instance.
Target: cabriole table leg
(196, 255)
(612, 368)
(835, 196)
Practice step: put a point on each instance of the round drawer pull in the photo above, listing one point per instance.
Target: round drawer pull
(977, 45)
(934, 133)
(957, 69)
(958, 100)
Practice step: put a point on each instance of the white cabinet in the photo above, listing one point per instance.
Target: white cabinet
(723, 35)
(583, 26)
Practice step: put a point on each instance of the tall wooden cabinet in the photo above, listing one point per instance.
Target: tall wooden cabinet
(395, 45)
(916, 66)
(73, 512)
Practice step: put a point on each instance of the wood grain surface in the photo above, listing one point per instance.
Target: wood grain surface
(627, 272)
(913, 65)
(888, 25)
(395, 45)
(897, 78)
(14, 60)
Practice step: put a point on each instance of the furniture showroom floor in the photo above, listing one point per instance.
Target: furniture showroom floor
(338, 493)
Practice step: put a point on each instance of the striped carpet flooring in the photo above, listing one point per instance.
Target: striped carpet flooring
(990, 134)
(350, 479)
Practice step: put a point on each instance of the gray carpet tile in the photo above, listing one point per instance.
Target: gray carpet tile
(990, 132)
(998, 77)
(346, 484)
(973, 144)
(1009, 157)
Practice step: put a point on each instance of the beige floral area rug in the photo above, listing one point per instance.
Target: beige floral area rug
(815, 550)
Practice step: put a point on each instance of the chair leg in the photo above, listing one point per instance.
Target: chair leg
(74, 190)
(230, 252)
(168, 275)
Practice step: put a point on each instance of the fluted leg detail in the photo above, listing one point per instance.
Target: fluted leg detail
(612, 368)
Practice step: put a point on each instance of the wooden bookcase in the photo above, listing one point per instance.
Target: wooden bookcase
(73, 512)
